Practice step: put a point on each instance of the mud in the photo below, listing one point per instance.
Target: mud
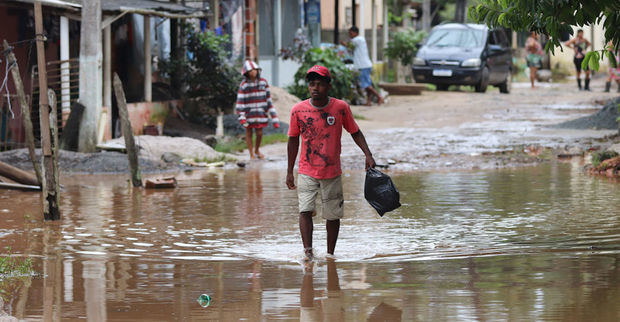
(603, 119)
(435, 130)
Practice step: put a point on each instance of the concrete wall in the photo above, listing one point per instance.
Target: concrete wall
(328, 14)
(280, 76)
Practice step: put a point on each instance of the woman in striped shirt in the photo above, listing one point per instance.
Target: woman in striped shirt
(254, 106)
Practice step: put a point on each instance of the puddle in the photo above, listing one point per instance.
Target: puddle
(466, 245)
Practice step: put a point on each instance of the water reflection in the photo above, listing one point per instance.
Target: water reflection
(326, 307)
(533, 243)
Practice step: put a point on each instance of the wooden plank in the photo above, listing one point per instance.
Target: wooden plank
(17, 175)
(42, 67)
(51, 210)
(130, 144)
(23, 102)
(19, 186)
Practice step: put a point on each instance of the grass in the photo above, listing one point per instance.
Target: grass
(237, 145)
(10, 265)
(598, 157)
(359, 117)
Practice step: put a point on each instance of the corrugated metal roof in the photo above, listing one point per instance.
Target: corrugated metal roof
(146, 7)
(152, 7)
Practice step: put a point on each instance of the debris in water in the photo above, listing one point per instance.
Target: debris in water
(170, 182)
(204, 300)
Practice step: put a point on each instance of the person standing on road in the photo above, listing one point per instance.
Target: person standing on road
(534, 55)
(580, 45)
(254, 106)
(614, 73)
(319, 121)
(361, 62)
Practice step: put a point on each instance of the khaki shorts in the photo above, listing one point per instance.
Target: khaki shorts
(331, 195)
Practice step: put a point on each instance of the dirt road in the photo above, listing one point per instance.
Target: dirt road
(462, 129)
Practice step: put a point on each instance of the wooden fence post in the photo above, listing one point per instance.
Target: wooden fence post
(130, 144)
(51, 210)
(23, 102)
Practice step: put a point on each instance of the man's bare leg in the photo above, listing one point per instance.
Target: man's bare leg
(372, 91)
(333, 227)
(248, 141)
(305, 228)
(259, 138)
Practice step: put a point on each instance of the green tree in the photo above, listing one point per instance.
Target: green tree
(550, 17)
(343, 78)
(402, 46)
(205, 71)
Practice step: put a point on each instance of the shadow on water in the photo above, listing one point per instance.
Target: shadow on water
(532, 243)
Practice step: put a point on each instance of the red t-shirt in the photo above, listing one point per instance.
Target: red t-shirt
(321, 130)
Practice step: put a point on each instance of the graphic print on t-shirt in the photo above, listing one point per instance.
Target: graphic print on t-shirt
(315, 138)
(320, 130)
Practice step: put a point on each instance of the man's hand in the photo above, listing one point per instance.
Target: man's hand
(370, 162)
(290, 181)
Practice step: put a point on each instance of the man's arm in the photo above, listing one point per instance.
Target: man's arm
(292, 149)
(569, 43)
(360, 140)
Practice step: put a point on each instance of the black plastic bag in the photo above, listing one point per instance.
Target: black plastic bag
(380, 191)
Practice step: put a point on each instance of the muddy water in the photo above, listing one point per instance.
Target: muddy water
(540, 243)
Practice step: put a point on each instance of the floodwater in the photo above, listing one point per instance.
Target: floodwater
(534, 243)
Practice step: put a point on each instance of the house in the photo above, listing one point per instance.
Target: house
(126, 48)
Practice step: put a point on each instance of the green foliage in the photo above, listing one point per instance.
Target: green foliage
(550, 17)
(402, 46)
(359, 117)
(601, 156)
(206, 71)
(10, 265)
(343, 78)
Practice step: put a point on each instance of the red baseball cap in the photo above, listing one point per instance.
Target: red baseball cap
(321, 70)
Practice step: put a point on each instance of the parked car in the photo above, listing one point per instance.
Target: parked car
(464, 54)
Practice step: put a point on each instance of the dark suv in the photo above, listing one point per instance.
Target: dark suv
(464, 54)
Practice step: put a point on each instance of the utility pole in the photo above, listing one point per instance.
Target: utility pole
(51, 210)
(336, 22)
(460, 11)
(90, 73)
(426, 15)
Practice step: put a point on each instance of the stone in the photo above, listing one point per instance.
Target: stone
(171, 157)
(211, 140)
(615, 148)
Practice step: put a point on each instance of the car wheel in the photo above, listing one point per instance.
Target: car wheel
(442, 87)
(484, 81)
(506, 86)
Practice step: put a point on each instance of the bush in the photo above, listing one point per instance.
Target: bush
(601, 156)
(402, 47)
(343, 78)
(205, 71)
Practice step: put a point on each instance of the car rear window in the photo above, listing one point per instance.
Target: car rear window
(463, 38)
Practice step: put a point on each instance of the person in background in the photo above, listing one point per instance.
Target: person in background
(580, 45)
(254, 106)
(534, 55)
(614, 72)
(362, 63)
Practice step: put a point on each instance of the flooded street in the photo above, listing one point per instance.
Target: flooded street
(532, 243)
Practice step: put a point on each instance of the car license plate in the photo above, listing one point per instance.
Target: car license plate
(442, 72)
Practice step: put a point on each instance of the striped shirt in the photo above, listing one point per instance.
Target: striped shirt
(254, 104)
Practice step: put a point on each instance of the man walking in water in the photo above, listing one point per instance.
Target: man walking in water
(361, 62)
(579, 44)
(319, 122)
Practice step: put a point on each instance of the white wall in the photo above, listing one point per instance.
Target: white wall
(285, 74)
